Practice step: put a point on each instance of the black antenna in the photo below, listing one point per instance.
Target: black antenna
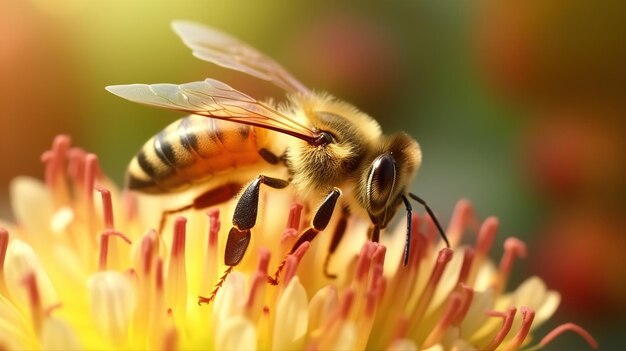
(407, 245)
(432, 215)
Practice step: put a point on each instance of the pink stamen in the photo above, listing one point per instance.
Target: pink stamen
(4, 244)
(445, 321)
(468, 295)
(364, 261)
(513, 249)
(347, 303)
(468, 257)
(528, 315)
(373, 292)
(569, 327)
(107, 207)
(259, 280)
(486, 236)
(55, 160)
(301, 250)
(130, 205)
(76, 165)
(444, 257)
(91, 166)
(34, 297)
(160, 279)
(295, 212)
(462, 217)
(379, 255)
(288, 238)
(507, 322)
(401, 328)
(214, 226)
(148, 246)
(178, 242)
(291, 266)
(104, 246)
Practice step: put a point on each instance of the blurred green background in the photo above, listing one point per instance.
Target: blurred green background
(518, 106)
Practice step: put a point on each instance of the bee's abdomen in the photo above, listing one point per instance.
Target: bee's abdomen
(191, 150)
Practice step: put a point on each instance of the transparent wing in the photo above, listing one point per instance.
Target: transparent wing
(211, 45)
(212, 98)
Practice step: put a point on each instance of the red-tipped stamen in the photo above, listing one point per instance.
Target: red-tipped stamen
(468, 295)
(444, 257)
(468, 257)
(513, 249)
(148, 252)
(565, 328)
(291, 266)
(55, 161)
(295, 212)
(507, 322)
(107, 207)
(455, 302)
(104, 247)
(364, 261)
(210, 269)
(528, 315)
(486, 236)
(177, 271)
(34, 299)
(4, 244)
(462, 217)
(259, 280)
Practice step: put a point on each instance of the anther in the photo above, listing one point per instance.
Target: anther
(513, 249)
(293, 220)
(528, 315)
(507, 322)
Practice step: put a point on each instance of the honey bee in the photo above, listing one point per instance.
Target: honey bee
(328, 148)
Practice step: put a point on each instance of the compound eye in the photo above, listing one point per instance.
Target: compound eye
(380, 183)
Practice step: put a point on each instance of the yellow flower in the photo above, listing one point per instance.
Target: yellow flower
(81, 269)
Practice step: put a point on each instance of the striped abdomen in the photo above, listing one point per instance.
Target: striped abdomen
(191, 150)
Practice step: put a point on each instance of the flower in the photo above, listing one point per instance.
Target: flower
(80, 271)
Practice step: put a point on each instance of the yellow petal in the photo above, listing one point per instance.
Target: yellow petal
(403, 345)
(112, 302)
(321, 307)
(292, 317)
(236, 333)
(58, 335)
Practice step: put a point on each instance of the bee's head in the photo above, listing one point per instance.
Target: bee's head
(387, 177)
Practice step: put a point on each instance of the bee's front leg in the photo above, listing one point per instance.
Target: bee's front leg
(319, 223)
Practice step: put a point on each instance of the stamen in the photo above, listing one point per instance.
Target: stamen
(104, 246)
(287, 240)
(293, 221)
(468, 257)
(513, 248)
(528, 316)
(4, 243)
(569, 327)
(55, 162)
(444, 257)
(107, 207)
(291, 265)
(468, 295)
(76, 165)
(211, 266)
(364, 261)
(177, 271)
(507, 322)
(445, 321)
(254, 304)
(462, 218)
(148, 252)
(486, 236)
(34, 299)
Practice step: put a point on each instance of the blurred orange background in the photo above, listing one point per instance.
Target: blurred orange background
(519, 106)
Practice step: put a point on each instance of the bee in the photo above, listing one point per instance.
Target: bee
(328, 148)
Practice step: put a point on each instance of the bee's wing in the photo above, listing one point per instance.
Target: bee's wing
(211, 45)
(212, 98)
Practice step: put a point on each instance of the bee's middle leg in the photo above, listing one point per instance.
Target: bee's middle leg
(319, 223)
(244, 219)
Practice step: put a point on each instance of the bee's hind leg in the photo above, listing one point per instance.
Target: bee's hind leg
(211, 197)
(319, 223)
(244, 219)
